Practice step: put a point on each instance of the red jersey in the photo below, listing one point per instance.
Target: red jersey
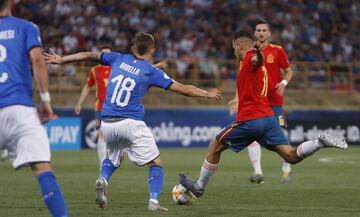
(252, 87)
(99, 76)
(275, 58)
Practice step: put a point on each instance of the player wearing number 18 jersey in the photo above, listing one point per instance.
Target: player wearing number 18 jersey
(123, 112)
(128, 85)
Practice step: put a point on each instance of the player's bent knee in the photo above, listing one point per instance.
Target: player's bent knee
(215, 147)
(157, 161)
(292, 159)
(288, 154)
(40, 167)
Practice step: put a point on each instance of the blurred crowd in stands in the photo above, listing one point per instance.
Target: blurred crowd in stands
(189, 30)
(309, 30)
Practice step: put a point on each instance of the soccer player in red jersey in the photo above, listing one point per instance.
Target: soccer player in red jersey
(98, 76)
(275, 60)
(255, 119)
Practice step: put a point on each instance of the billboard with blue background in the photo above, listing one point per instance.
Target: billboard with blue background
(197, 127)
(65, 133)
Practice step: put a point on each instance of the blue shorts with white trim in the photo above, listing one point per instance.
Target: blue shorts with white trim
(266, 131)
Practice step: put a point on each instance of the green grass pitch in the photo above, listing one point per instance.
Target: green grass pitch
(324, 185)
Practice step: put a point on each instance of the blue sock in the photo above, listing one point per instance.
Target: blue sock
(156, 178)
(52, 195)
(107, 169)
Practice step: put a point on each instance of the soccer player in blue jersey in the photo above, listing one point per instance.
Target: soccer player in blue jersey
(21, 132)
(122, 115)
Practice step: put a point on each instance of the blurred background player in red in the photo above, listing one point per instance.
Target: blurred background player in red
(280, 73)
(98, 76)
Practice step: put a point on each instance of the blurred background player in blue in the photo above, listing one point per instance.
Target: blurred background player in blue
(21, 132)
(122, 116)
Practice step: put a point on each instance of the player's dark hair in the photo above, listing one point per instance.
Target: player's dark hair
(3, 4)
(261, 21)
(143, 43)
(242, 34)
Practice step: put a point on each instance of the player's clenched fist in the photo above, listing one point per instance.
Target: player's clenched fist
(214, 93)
(257, 45)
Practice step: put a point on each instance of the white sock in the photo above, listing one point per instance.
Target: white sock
(154, 201)
(254, 151)
(207, 170)
(308, 148)
(286, 167)
(101, 149)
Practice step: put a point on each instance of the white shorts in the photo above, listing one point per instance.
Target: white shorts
(132, 137)
(22, 134)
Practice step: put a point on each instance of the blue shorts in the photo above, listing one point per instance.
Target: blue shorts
(266, 131)
(279, 115)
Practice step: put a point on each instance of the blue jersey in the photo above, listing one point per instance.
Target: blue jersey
(17, 38)
(129, 81)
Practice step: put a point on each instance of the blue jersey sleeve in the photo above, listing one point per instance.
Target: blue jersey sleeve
(108, 59)
(160, 79)
(32, 34)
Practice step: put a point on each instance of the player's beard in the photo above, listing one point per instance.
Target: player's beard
(262, 39)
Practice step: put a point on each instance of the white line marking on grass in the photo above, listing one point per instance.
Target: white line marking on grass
(338, 160)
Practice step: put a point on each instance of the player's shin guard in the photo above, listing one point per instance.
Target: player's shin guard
(107, 169)
(307, 148)
(52, 195)
(207, 170)
(156, 177)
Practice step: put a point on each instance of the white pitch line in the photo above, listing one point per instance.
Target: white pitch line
(335, 160)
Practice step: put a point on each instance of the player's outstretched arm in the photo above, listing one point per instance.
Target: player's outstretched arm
(53, 58)
(162, 64)
(192, 91)
(42, 80)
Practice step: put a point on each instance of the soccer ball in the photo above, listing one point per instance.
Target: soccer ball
(181, 196)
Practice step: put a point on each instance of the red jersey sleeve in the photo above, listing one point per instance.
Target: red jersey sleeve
(91, 78)
(283, 59)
